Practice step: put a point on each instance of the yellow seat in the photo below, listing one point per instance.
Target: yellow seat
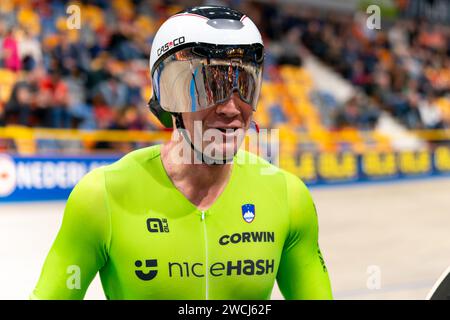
(146, 25)
(146, 92)
(444, 105)
(29, 19)
(6, 6)
(5, 92)
(93, 15)
(7, 77)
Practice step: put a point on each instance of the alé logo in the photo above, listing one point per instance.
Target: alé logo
(155, 225)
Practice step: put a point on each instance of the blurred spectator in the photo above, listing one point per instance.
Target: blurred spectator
(114, 92)
(370, 112)
(66, 54)
(11, 58)
(412, 119)
(2, 36)
(18, 108)
(54, 98)
(97, 73)
(430, 113)
(79, 110)
(432, 37)
(2, 115)
(134, 84)
(360, 76)
(104, 116)
(30, 51)
(358, 112)
(126, 119)
(349, 116)
(291, 48)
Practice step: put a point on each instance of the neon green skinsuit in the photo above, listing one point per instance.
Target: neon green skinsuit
(128, 222)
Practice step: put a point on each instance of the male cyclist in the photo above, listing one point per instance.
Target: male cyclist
(193, 218)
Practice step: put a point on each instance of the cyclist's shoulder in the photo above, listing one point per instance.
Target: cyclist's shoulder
(253, 163)
(264, 170)
(91, 182)
(135, 159)
(278, 182)
(124, 169)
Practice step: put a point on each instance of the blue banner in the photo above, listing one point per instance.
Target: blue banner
(347, 167)
(44, 178)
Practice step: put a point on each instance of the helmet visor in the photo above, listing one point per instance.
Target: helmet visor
(187, 82)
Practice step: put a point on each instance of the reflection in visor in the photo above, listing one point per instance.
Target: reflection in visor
(185, 83)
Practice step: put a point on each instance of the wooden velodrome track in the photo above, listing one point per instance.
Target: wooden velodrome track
(402, 228)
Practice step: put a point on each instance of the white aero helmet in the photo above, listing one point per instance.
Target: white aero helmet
(199, 57)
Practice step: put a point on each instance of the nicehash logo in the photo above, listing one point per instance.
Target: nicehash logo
(245, 267)
(149, 275)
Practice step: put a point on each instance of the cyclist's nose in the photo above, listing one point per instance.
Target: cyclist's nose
(230, 108)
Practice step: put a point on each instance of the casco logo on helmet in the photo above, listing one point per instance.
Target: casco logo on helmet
(175, 42)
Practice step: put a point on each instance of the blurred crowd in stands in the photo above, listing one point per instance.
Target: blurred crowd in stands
(403, 68)
(98, 78)
(95, 77)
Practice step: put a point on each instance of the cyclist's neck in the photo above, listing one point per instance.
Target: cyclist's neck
(200, 183)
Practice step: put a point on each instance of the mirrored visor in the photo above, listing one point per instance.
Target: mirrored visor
(185, 82)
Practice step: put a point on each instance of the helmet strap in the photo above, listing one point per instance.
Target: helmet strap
(179, 124)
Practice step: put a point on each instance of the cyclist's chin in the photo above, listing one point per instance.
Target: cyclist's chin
(224, 146)
(221, 150)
